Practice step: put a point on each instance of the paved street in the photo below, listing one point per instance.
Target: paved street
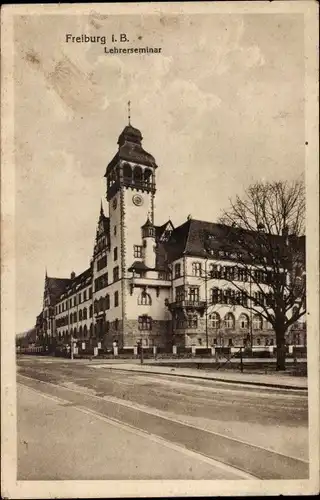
(87, 421)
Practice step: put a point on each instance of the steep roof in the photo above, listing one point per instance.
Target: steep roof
(200, 238)
(130, 149)
(56, 286)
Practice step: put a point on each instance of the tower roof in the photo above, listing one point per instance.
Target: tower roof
(148, 223)
(130, 149)
(130, 134)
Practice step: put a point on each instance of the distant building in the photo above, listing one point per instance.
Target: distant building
(161, 284)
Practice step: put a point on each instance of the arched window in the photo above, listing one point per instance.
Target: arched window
(91, 330)
(257, 322)
(244, 321)
(80, 315)
(96, 306)
(137, 174)
(90, 311)
(75, 333)
(196, 269)
(85, 313)
(75, 317)
(229, 321)
(144, 299)
(80, 331)
(127, 171)
(85, 331)
(214, 320)
(147, 175)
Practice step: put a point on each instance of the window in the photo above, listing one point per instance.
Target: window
(115, 253)
(163, 275)
(215, 271)
(102, 263)
(107, 301)
(101, 304)
(193, 294)
(116, 324)
(107, 326)
(229, 296)
(180, 293)
(192, 321)
(80, 315)
(177, 270)
(96, 306)
(244, 321)
(215, 341)
(258, 341)
(90, 311)
(215, 295)
(196, 269)
(242, 274)
(115, 231)
(116, 273)
(144, 299)
(84, 313)
(137, 251)
(75, 301)
(229, 321)
(90, 293)
(145, 323)
(258, 298)
(271, 342)
(228, 273)
(230, 343)
(116, 299)
(200, 341)
(101, 282)
(85, 295)
(214, 320)
(79, 298)
(257, 322)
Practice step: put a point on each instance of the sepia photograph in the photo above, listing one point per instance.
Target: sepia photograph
(160, 250)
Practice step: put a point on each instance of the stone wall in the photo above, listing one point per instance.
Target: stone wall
(160, 335)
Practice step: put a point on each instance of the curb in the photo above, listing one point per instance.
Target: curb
(227, 381)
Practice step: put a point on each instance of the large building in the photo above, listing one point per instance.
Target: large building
(149, 280)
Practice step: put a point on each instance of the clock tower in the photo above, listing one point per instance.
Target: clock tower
(131, 187)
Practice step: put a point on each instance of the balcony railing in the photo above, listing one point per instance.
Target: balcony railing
(187, 304)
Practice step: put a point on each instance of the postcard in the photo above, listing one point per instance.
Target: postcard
(160, 244)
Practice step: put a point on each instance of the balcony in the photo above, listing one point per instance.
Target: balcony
(143, 282)
(187, 305)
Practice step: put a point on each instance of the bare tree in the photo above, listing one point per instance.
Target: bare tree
(266, 232)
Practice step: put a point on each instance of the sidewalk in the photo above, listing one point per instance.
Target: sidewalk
(276, 381)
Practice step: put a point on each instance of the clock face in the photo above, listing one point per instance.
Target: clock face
(114, 203)
(137, 200)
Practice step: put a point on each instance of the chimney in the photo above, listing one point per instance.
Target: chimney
(72, 275)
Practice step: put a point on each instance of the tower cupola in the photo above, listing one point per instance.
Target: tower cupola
(148, 229)
(149, 243)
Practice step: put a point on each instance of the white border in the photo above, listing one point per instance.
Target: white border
(90, 489)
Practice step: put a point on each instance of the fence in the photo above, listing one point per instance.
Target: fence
(83, 350)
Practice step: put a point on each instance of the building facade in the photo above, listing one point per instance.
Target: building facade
(158, 284)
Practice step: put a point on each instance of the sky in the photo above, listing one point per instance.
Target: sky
(221, 107)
